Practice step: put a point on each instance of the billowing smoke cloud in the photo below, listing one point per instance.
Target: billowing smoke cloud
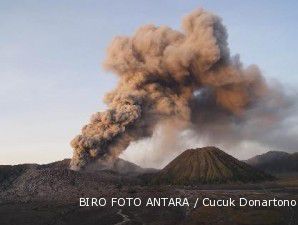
(186, 77)
(271, 124)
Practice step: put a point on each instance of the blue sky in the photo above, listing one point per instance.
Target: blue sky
(51, 54)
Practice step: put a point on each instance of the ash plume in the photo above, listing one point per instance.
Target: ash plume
(187, 77)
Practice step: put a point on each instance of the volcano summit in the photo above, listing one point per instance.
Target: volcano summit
(208, 165)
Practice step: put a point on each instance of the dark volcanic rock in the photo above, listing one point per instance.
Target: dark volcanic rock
(275, 162)
(55, 181)
(10, 173)
(207, 165)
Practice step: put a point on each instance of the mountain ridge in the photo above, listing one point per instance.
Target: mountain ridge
(208, 165)
(275, 162)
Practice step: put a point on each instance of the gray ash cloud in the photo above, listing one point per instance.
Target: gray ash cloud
(187, 77)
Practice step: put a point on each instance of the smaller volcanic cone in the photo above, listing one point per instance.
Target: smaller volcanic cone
(207, 165)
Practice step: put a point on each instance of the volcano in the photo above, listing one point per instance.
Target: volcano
(205, 166)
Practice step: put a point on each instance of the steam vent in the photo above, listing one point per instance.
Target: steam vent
(207, 165)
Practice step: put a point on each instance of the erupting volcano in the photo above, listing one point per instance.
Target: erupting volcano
(162, 75)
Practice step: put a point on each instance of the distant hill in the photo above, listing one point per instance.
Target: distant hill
(275, 162)
(207, 165)
(10, 173)
(120, 166)
(56, 180)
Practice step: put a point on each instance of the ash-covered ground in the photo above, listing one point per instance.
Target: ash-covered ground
(49, 194)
